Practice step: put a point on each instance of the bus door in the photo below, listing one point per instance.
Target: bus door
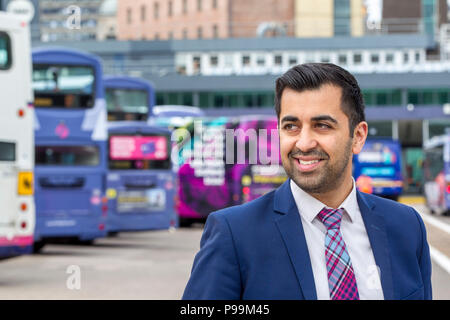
(140, 183)
(68, 182)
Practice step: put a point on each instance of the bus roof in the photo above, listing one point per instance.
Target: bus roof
(130, 126)
(127, 82)
(177, 111)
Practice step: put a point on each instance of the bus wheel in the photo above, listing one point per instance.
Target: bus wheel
(37, 246)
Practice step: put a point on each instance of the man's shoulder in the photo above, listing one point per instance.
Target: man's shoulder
(392, 211)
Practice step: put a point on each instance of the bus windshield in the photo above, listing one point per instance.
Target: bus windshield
(126, 104)
(63, 86)
(67, 155)
(434, 163)
(139, 152)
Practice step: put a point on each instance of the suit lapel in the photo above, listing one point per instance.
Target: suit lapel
(376, 230)
(290, 226)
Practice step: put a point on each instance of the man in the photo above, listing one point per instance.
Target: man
(315, 237)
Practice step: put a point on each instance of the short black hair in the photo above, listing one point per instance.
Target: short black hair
(310, 76)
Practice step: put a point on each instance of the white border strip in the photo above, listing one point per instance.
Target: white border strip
(441, 259)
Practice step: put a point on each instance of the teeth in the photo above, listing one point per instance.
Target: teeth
(307, 162)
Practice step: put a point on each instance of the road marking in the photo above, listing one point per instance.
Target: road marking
(436, 223)
(441, 259)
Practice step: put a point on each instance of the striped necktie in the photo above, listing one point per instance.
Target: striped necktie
(341, 278)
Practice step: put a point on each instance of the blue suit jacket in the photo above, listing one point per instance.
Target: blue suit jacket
(258, 251)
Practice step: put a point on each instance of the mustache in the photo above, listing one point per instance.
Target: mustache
(317, 153)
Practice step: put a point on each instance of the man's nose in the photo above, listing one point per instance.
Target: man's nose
(306, 141)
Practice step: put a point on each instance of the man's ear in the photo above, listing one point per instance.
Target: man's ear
(359, 136)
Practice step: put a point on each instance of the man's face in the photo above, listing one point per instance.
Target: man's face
(315, 144)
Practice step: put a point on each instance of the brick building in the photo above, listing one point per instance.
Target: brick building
(203, 19)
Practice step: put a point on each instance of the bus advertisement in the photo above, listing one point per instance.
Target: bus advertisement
(437, 173)
(377, 168)
(228, 161)
(70, 145)
(141, 184)
(17, 216)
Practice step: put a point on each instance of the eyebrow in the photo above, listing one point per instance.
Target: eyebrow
(324, 118)
(315, 119)
(289, 119)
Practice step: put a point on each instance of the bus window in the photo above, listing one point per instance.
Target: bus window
(128, 152)
(5, 51)
(7, 151)
(67, 155)
(127, 104)
(58, 86)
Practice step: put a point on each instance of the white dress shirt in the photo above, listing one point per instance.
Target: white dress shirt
(356, 239)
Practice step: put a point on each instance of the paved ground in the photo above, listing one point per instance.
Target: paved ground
(145, 265)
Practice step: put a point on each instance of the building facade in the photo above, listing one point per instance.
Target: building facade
(203, 19)
(328, 18)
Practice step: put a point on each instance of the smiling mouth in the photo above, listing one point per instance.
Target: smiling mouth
(308, 165)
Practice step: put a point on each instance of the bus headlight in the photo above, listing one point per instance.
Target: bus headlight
(25, 183)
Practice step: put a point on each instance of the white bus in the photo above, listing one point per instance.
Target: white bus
(17, 213)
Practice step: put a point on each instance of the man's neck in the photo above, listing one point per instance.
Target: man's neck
(334, 198)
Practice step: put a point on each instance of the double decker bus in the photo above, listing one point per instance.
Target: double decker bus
(377, 168)
(17, 214)
(141, 183)
(70, 145)
(436, 169)
(227, 161)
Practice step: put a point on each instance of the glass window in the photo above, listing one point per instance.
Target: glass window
(7, 151)
(204, 100)
(292, 60)
(413, 96)
(443, 96)
(5, 51)
(261, 61)
(342, 59)
(214, 61)
(187, 99)
(406, 57)
(278, 60)
(374, 58)
(173, 98)
(428, 97)
(389, 57)
(63, 86)
(196, 61)
(381, 98)
(67, 155)
(125, 104)
(245, 60)
(357, 58)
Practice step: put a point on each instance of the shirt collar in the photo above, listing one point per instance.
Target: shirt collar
(309, 207)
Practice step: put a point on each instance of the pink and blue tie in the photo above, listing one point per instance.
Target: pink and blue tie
(341, 278)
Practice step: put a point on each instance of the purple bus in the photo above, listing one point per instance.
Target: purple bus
(227, 161)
